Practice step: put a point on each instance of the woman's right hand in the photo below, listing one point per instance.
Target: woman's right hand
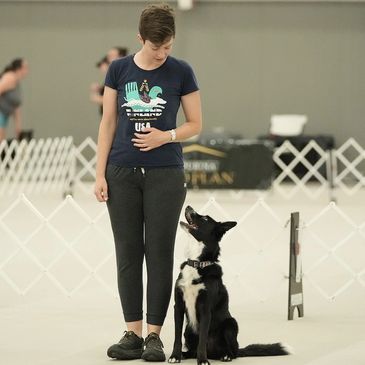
(94, 87)
(101, 189)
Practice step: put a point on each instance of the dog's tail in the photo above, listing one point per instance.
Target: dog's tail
(274, 349)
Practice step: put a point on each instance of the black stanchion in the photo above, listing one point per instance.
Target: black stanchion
(295, 298)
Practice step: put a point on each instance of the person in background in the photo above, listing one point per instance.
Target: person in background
(140, 173)
(10, 95)
(116, 52)
(97, 90)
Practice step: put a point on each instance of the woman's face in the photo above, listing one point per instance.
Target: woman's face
(104, 68)
(157, 54)
(113, 54)
(23, 71)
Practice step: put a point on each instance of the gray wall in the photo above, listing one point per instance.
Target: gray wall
(251, 59)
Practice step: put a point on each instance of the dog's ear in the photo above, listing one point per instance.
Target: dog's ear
(225, 226)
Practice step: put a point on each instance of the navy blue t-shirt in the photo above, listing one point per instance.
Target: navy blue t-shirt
(147, 99)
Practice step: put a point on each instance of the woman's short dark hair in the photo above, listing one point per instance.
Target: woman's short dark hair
(102, 61)
(14, 65)
(122, 51)
(157, 24)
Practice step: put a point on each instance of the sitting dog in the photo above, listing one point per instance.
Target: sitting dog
(211, 331)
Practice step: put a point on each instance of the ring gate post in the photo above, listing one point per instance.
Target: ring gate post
(331, 173)
(70, 173)
(295, 298)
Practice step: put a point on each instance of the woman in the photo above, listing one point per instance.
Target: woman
(96, 90)
(10, 95)
(140, 173)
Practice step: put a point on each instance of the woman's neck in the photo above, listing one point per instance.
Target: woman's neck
(144, 63)
(17, 75)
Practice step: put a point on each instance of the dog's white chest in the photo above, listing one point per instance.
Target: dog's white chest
(190, 292)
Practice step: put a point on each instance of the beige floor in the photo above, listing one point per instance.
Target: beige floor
(77, 331)
(52, 329)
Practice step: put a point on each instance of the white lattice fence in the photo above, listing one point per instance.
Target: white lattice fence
(67, 246)
(85, 155)
(331, 169)
(349, 160)
(70, 248)
(314, 170)
(334, 252)
(56, 164)
(36, 166)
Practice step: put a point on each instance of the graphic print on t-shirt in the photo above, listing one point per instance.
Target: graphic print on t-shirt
(143, 104)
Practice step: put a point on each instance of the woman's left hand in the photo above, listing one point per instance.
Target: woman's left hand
(151, 138)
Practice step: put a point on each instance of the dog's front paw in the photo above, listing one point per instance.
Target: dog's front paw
(203, 362)
(226, 358)
(174, 359)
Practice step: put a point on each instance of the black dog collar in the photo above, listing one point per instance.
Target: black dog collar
(199, 264)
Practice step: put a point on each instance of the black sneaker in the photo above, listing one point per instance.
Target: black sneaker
(152, 348)
(128, 348)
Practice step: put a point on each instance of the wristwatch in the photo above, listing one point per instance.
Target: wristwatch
(173, 134)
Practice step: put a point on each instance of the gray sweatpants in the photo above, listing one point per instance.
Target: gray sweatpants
(144, 207)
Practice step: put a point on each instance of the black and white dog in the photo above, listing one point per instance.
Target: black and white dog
(211, 331)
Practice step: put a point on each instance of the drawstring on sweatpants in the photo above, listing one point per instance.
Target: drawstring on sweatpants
(143, 171)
